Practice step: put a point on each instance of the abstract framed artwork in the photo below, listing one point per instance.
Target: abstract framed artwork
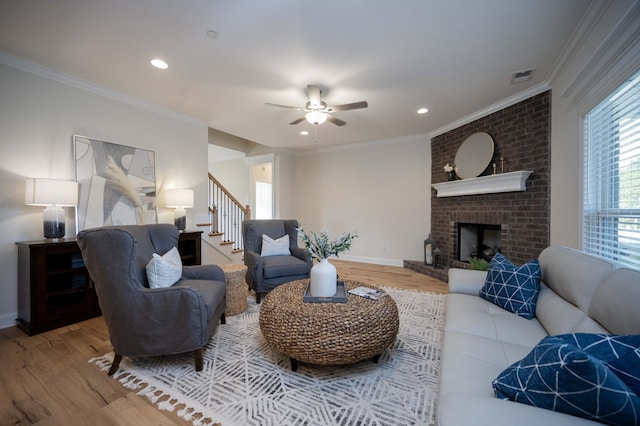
(117, 184)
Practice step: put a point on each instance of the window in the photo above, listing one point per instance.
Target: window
(611, 206)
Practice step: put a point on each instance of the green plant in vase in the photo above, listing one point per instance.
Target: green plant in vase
(323, 279)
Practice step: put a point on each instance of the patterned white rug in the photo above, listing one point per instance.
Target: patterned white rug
(246, 382)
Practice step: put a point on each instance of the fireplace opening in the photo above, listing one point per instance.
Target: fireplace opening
(478, 240)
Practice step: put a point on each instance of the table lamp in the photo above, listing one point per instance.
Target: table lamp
(54, 194)
(180, 199)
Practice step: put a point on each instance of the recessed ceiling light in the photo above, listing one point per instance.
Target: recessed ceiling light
(423, 110)
(304, 133)
(159, 63)
(213, 34)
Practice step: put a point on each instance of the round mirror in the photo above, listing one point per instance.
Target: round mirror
(474, 155)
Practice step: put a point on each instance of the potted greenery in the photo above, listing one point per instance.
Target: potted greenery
(479, 264)
(323, 279)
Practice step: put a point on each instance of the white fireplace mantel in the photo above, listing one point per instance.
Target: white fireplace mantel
(503, 182)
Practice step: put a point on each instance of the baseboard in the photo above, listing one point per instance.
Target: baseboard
(374, 260)
(8, 320)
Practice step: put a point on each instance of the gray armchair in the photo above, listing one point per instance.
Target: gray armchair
(145, 321)
(266, 273)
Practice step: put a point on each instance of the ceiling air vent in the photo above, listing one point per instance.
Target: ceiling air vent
(520, 76)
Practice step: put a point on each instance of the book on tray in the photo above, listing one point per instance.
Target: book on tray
(367, 292)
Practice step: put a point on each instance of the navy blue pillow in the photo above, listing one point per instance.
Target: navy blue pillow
(559, 376)
(621, 353)
(514, 288)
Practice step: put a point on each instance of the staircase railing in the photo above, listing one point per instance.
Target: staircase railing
(226, 214)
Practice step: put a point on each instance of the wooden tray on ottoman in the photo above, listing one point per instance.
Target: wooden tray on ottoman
(339, 297)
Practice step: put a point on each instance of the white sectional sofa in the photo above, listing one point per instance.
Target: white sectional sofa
(579, 294)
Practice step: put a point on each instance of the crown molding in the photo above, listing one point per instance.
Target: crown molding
(78, 83)
(615, 60)
(334, 148)
(584, 29)
(500, 105)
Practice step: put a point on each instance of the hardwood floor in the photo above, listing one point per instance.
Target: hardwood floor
(46, 379)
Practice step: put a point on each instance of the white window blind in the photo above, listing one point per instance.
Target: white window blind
(611, 206)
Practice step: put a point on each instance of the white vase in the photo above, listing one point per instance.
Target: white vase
(323, 279)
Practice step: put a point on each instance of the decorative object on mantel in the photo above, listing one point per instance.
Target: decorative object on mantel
(450, 170)
(429, 245)
(474, 155)
(324, 277)
(54, 194)
(437, 258)
(503, 182)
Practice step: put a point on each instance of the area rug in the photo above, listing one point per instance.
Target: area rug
(247, 382)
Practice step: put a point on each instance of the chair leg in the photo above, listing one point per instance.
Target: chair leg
(115, 364)
(223, 318)
(197, 355)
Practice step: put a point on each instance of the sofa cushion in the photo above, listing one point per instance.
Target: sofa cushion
(470, 362)
(514, 288)
(560, 376)
(572, 274)
(558, 316)
(620, 353)
(275, 247)
(473, 315)
(165, 270)
(615, 302)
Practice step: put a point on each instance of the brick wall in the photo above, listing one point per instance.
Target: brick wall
(521, 134)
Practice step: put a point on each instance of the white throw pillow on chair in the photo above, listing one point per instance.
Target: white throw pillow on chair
(279, 247)
(166, 270)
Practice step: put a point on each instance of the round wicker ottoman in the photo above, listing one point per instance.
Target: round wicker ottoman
(234, 275)
(327, 333)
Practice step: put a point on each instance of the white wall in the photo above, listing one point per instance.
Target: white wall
(233, 175)
(38, 117)
(284, 176)
(606, 53)
(381, 189)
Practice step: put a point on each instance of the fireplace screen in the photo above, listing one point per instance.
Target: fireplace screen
(478, 240)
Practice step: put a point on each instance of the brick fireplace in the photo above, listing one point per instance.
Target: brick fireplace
(521, 135)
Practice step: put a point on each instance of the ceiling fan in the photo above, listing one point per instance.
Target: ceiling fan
(317, 111)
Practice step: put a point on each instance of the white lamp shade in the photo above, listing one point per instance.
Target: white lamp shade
(49, 192)
(179, 198)
(316, 117)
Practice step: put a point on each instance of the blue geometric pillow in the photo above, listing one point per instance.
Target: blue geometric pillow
(621, 353)
(559, 376)
(512, 288)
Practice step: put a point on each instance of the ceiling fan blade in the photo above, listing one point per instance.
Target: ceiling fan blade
(314, 95)
(283, 106)
(347, 107)
(298, 121)
(336, 120)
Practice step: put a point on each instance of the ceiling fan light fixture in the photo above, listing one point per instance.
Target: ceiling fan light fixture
(316, 117)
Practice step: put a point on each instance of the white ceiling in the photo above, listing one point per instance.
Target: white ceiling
(455, 57)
